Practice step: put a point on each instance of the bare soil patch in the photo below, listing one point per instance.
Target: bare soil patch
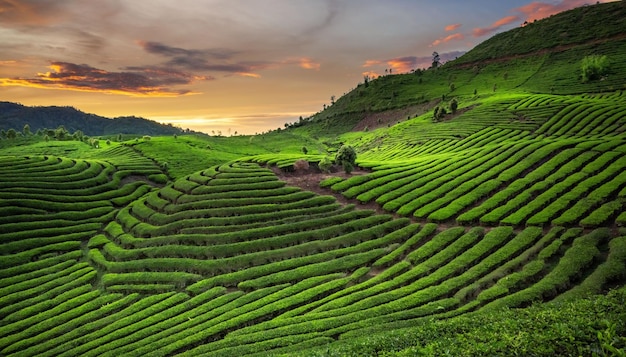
(310, 180)
(134, 178)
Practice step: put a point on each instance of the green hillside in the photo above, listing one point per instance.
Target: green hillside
(497, 228)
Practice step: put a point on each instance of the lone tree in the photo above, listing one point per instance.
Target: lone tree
(435, 60)
(454, 105)
(593, 67)
(346, 156)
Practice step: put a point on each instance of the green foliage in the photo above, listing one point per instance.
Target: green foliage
(346, 156)
(593, 67)
(454, 105)
(325, 164)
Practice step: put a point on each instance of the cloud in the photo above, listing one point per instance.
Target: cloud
(478, 32)
(333, 9)
(455, 36)
(408, 63)
(452, 27)
(370, 63)
(218, 60)
(370, 74)
(537, 10)
(30, 12)
(403, 64)
(169, 51)
(135, 81)
(308, 63)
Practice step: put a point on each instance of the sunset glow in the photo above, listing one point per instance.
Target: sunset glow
(257, 63)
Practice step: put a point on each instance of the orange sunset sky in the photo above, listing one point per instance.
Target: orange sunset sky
(231, 65)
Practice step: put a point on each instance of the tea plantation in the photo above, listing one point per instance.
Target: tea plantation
(499, 229)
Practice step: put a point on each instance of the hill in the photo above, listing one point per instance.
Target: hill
(542, 57)
(495, 228)
(15, 116)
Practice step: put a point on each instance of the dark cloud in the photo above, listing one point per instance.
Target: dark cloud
(216, 59)
(169, 51)
(142, 81)
(89, 41)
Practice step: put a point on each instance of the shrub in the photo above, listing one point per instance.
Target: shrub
(593, 67)
(301, 165)
(346, 156)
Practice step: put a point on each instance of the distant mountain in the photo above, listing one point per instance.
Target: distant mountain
(15, 116)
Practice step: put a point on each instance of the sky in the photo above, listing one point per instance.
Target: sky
(234, 66)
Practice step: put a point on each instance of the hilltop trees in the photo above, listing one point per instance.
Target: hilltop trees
(436, 60)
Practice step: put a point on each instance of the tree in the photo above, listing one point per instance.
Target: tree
(11, 134)
(442, 112)
(454, 105)
(305, 150)
(26, 130)
(332, 99)
(60, 133)
(325, 164)
(436, 59)
(593, 67)
(346, 156)
(78, 135)
(366, 80)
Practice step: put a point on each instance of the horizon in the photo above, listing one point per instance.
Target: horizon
(231, 66)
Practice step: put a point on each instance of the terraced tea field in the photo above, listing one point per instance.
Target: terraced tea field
(498, 229)
(99, 259)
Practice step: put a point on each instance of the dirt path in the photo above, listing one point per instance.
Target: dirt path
(310, 180)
